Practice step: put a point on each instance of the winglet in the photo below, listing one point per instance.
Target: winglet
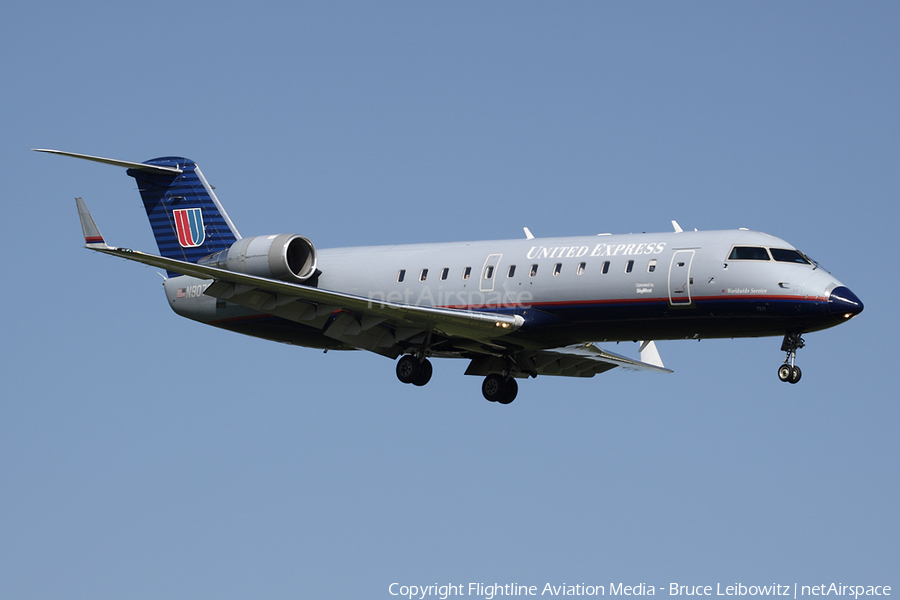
(92, 237)
(650, 355)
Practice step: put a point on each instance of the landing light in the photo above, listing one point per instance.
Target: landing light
(848, 316)
(503, 325)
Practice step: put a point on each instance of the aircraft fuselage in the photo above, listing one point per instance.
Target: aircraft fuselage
(674, 285)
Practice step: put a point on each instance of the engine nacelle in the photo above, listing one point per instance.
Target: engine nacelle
(288, 257)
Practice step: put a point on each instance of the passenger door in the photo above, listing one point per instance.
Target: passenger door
(680, 278)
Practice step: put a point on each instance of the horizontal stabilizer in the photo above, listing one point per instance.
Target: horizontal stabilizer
(115, 162)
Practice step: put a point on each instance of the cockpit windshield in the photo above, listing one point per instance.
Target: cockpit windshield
(748, 253)
(767, 254)
(785, 255)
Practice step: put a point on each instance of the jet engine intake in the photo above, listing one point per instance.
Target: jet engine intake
(287, 257)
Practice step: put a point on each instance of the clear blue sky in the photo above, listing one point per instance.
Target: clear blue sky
(146, 456)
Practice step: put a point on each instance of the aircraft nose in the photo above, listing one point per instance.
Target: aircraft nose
(844, 303)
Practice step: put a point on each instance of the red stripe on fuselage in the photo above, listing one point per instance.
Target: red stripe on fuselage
(734, 297)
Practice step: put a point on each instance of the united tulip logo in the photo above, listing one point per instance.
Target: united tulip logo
(189, 225)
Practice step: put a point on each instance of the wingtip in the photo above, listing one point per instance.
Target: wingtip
(650, 355)
(92, 237)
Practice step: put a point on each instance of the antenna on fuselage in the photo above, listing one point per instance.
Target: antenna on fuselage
(528, 234)
(677, 227)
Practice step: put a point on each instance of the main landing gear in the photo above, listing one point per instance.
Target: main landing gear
(789, 372)
(416, 371)
(497, 388)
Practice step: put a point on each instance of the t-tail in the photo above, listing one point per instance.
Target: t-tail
(187, 219)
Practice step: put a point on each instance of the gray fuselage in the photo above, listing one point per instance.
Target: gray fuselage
(657, 286)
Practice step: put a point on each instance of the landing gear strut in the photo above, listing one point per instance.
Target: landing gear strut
(789, 372)
(411, 369)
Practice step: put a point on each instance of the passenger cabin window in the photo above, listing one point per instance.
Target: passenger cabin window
(423, 275)
(605, 268)
(467, 272)
(533, 271)
(557, 269)
(580, 268)
(444, 273)
(785, 255)
(511, 271)
(748, 253)
(401, 275)
(489, 272)
(651, 266)
(629, 266)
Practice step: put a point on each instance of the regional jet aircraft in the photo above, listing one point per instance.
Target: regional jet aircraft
(513, 308)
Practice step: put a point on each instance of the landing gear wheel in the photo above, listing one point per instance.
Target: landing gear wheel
(512, 388)
(424, 374)
(497, 388)
(785, 372)
(494, 387)
(788, 371)
(409, 369)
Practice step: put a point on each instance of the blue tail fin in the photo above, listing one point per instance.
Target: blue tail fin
(187, 220)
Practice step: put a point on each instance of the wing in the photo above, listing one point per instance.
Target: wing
(579, 360)
(357, 319)
(388, 328)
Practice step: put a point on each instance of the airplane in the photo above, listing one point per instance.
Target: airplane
(513, 308)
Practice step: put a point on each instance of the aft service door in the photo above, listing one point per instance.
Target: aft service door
(680, 278)
(489, 272)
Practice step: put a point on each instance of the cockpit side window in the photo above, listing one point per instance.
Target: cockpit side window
(748, 253)
(785, 255)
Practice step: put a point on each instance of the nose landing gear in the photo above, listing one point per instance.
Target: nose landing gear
(789, 372)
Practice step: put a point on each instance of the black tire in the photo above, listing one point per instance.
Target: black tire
(425, 371)
(408, 369)
(512, 388)
(494, 387)
(785, 372)
(796, 374)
